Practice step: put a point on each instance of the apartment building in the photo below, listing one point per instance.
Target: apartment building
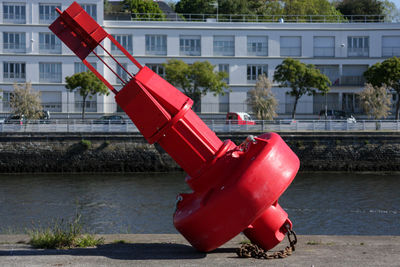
(343, 51)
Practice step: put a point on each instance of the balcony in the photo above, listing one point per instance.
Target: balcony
(390, 51)
(352, 80)
(50, 48)
(324, 51)
(290, 51)
(14, 48)
(358, 52)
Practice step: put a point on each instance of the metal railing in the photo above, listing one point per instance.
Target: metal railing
(248, 18)
(93, 126)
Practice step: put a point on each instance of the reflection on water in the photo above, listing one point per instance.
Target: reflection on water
(144, 203)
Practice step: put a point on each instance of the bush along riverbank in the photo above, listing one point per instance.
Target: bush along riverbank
(131, 153)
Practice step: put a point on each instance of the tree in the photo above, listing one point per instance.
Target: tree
(386, 73)
(376, 101)
(266, 9)
(87, 84)
(390, 11)
(144, 9)
(301, 78)
(25, 101)
(262, 100)
(351, 8)
(196, 79)
(195, 6)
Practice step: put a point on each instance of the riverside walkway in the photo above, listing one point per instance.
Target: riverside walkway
(174, 250)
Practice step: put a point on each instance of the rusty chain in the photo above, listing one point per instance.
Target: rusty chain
(254, 251)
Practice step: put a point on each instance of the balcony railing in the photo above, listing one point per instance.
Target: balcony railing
(249, 18)
(290, 51)
(358, 52)
(324, 51)
(50, 48)
(14, 47)
(352, 80)
(390, 51)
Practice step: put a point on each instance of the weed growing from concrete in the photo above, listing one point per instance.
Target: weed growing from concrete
(86, 143)
(63, 235)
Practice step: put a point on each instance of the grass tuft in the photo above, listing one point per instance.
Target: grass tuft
(63, 235)
(86, 143)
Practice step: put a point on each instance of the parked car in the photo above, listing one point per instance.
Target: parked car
(110, 119)
(332, 114)
(241, 118)
(15, 119)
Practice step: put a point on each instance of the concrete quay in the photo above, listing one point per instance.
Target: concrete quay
(174, 250)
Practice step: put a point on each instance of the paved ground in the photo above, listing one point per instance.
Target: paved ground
(173, 250)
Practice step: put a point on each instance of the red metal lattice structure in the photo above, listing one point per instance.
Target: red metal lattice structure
(235, 188)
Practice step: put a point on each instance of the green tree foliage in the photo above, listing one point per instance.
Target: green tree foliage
(262, 100)
(196, 79)
(350, 8)
(195, 6)
(376, 101)
(392, 14)
(266, 9)
(144, 9)
(386, 73)
(313, 7)
(87, 84)
(301, 78)
(25, 101)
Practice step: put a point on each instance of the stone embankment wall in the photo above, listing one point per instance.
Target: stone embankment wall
(377, 151)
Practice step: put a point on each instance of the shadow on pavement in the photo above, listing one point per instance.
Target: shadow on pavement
(134, 251)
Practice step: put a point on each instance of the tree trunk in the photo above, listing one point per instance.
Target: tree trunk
(83, 107)
(294, 107)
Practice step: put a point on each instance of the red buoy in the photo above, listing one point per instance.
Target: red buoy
(235, 188)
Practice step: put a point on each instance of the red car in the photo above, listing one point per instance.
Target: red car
(241, 118)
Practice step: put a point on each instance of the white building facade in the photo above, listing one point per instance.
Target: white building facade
(343, 51)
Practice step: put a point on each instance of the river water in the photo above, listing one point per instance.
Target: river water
(317, 203)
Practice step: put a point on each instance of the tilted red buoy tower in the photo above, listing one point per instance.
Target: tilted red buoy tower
(235, 188)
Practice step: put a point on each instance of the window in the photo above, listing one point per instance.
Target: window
(324, 46)
(80, 67)
(48, 13)
(331, 71)
(51, 101)
(390, 46)
(157, 68)
(225, 68)
(190, 45)
(353, 75)
(14, 13)
(254, 70)
(6, 100)
(14, 42)
(156, 45)
(91, 9)
(223, 103)
(125, 40)
(257, 46)
(50, 72)
(224, 46)
(90, 103)
(358, 46)
(290, 46)
(351, 103)
(14, 71)
(330, 101)
(49, 43)
(122, 73)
